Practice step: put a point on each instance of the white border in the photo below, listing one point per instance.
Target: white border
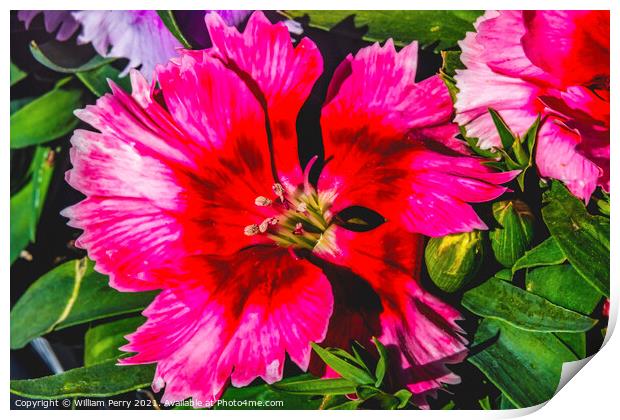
(592, 396)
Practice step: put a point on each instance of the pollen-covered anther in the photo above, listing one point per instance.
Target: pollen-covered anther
(302, 208)
(262, 201)
(251, 230)
(299, 229)
(278, 190)
(270, 221)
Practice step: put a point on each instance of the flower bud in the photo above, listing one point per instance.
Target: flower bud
(515, 232)
(453, 260)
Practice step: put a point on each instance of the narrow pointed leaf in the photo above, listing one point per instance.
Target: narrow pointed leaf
(576, 342)
(70, 294)
(264, 392)
(338, 386)
(583, 238)
(42, 171)
(101, 343)
(525, 365)
(64, 58)
(382, 364)
(47, 117)
(564, 286)
(17, 74)
(344, 368)
(96, 80)
(167, 16)
(504, 132)
(27, 203)
(102, 380)
(499, 299)
(547, 252)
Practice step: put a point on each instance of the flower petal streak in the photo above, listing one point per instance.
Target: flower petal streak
(283, 74)
(224, 322)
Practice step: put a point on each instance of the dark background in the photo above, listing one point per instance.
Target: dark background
(54, 242)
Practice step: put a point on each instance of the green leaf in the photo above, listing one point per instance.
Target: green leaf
(547, 252)
(507, 137)
(44, 53)
(524, 365)
(17, 74)
(338, 386)
(102, 380)
(504, 274)
(382, 364)
(47, 117)
(515, 231)
(17, 104)
(167, 16)
(42, 170)
(583, 238)
(344, 368)
(449, 406)
(263, 392)
(505, 404)
(70, 294)
(404, 396)
(101, 343)
(27, 204)
(445, 27)
(97, 80)
(348, 405)
(451, 62)
(20, 220)
(485, 403)
(574, 341)
(498, 299)
(530, 138)
(564, 286)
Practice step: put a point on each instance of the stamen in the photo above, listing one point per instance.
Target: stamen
(302, 207)
(299, 229)
(270, 221)
(251, 230)
(278, 190)
(262, 201)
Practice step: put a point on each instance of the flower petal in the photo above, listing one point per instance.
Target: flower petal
(137, 35)
(573, 45)
(232, 317)
(53, 20)
(373, 99)
(557, 156)
(284, 76)
(494, 63)
(419, 331)
(169, 183)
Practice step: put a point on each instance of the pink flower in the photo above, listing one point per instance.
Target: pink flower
(193, 186)
(555, 63)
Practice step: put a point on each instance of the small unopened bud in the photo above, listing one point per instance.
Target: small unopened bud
(453, 260)
(251, 230)
(262, 201)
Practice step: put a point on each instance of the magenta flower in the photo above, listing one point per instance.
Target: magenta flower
(60, 20)
(555, 63)
(193, 186)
